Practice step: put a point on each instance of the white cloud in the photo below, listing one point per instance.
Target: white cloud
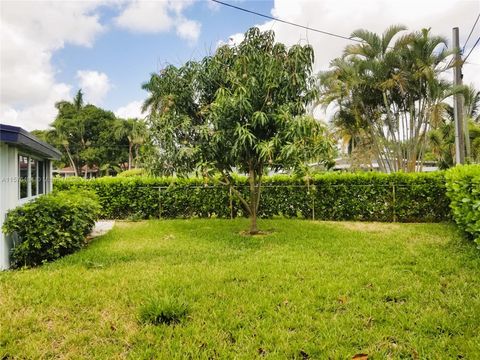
(213, 6)
(131, 110)
(95, 85)
(471, 70)
(179, 5)
(29, 34)
(38, 115)
(344, 16)
(159, 17)
(146, 16)
(188, 29)
(234, 39)
(31, 31)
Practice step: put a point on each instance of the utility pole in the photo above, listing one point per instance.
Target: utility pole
(458, 102)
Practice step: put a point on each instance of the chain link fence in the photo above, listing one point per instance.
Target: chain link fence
(367, 202)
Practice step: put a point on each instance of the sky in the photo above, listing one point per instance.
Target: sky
(108, 48)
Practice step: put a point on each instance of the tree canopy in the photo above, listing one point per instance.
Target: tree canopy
(89, 136)
(441, 138)
(243, 109)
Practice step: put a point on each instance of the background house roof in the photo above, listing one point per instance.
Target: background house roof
(23, 139)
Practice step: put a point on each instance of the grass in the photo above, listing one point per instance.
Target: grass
(166, 310)
(306, 290)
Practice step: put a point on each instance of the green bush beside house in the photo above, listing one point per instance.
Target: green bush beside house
(51, 226)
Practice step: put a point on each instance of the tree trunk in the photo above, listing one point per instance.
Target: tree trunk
(250, 206)
(135, 159)
(130, 155)
(253, 201)
(71, 160)
(253, 223)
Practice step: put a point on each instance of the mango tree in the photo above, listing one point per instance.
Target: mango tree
(242, 110)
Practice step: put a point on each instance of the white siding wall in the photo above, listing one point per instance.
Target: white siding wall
(8, 195)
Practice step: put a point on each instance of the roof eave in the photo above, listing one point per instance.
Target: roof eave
(21, 138)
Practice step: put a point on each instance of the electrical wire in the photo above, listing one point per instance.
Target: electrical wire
(471, 31)
(473, 47)
(285, 22)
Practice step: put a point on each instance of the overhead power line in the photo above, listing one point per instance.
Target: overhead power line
(471, 31)
(286, 22)
(473, 47)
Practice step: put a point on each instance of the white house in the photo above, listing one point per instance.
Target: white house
(25, 173)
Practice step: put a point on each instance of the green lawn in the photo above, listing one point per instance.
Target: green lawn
(306, 290)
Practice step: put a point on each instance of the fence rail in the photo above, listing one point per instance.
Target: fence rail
(370, 197)
(390, 199)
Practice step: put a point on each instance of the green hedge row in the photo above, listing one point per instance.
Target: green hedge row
(362, 196)
(463, 189)
(51, 226)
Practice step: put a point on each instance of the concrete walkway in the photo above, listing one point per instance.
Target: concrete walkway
(101, 227)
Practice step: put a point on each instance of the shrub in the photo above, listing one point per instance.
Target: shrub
(418, 197)
(51, 226)
(149, 197)
(132, 172)
(463, 189)
(331, 196)
(167, 310)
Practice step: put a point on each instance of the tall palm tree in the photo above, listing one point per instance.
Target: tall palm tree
(134, 131)
(354, 85)
(472, 103)
(153, 87)
(441, 138)
(390, 83)
(471, 111)
(65, 122)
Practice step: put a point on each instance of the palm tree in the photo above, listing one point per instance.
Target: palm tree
(354, 85)
(472, 103)
(441, 139)
(139, 137)
(472, 115)
(153, 103)
(392, 90)
(134, 131)
(63, 125)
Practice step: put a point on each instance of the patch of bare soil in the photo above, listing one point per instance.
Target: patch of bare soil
(261, 233)
(370, 227)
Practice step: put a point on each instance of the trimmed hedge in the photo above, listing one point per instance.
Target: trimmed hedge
(51, 226)
(463, 189)
(132, 172)
(362, 196)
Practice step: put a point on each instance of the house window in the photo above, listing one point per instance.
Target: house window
(31, 173)
(41, 177)
(23, 176)
(33, 176)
